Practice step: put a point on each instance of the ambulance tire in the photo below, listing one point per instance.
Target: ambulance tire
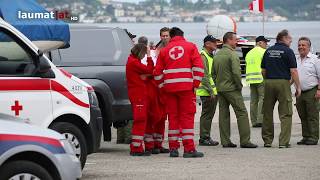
(68, 128)
(19, 169)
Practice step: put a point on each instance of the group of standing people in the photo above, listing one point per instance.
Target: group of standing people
(270, 73)
(163, 84)
(164, 87)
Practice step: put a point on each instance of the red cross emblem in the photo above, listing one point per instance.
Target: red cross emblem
(176, 52)
(16, 108)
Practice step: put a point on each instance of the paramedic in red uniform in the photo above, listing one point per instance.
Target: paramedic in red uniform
(179, 71)
(157, 101)
(155, 126)
(136, 73)
(159, 125)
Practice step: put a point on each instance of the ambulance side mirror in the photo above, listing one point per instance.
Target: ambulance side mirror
(44, 66)
(44, 69)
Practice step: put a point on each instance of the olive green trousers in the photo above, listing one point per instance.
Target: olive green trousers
(308, 110)
(235, 99)
(277, 90)
(208, 110)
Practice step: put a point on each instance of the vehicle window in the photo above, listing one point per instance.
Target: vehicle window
(89, 47)
(14, 59)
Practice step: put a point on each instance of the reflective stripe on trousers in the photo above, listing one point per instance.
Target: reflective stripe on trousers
(187, 137)
(148, 138)
(157, 137)
(187, 134)
(134, 137)
(173, 135)
(187, 130)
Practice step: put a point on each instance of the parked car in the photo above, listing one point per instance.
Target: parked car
(32, 88)
(98, 55)
(29, 152)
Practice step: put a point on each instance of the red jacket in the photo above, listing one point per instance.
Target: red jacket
(137, 88)
(179, 66)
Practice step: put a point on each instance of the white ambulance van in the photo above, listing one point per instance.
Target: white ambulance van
(33, 89)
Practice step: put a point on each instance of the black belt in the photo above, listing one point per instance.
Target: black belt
(310, 89)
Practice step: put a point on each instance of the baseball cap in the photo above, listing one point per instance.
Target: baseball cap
(262, 38)
(130, 35)
(210, 38)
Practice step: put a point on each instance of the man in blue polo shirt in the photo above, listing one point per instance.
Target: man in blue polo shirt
(279, 68)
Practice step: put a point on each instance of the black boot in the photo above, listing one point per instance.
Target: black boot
(193, 154)
(302, 141)
(207, 142)
(249, 145)
(311, 142)
(164, 150)
(155, 151)
(174, 153)
(229, 145)
(146, 153)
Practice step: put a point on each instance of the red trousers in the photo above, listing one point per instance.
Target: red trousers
(155, 127)
(181, 108)
(139, 109)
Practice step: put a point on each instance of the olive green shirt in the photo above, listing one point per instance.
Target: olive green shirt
(206, 78)
(226, 70)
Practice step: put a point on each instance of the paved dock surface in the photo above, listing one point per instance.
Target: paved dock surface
(296, 163)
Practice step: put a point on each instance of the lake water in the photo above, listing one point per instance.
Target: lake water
(195, 32)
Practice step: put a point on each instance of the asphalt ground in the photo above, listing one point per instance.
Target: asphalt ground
(296, 163)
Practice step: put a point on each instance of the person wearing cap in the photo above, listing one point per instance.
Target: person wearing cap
(255, 79)
(227, 76)
(207, 92)
(308, 103)
(279, 68)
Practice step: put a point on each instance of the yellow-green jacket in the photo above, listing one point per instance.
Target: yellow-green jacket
(207, 86)
(253, 65)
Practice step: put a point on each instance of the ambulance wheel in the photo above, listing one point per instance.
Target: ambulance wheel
(74, 135)
(26, 170)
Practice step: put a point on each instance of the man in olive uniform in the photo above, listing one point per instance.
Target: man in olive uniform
(227, 76)
(279, 66)
(207, 92)
(255, 79)
(308, 102)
